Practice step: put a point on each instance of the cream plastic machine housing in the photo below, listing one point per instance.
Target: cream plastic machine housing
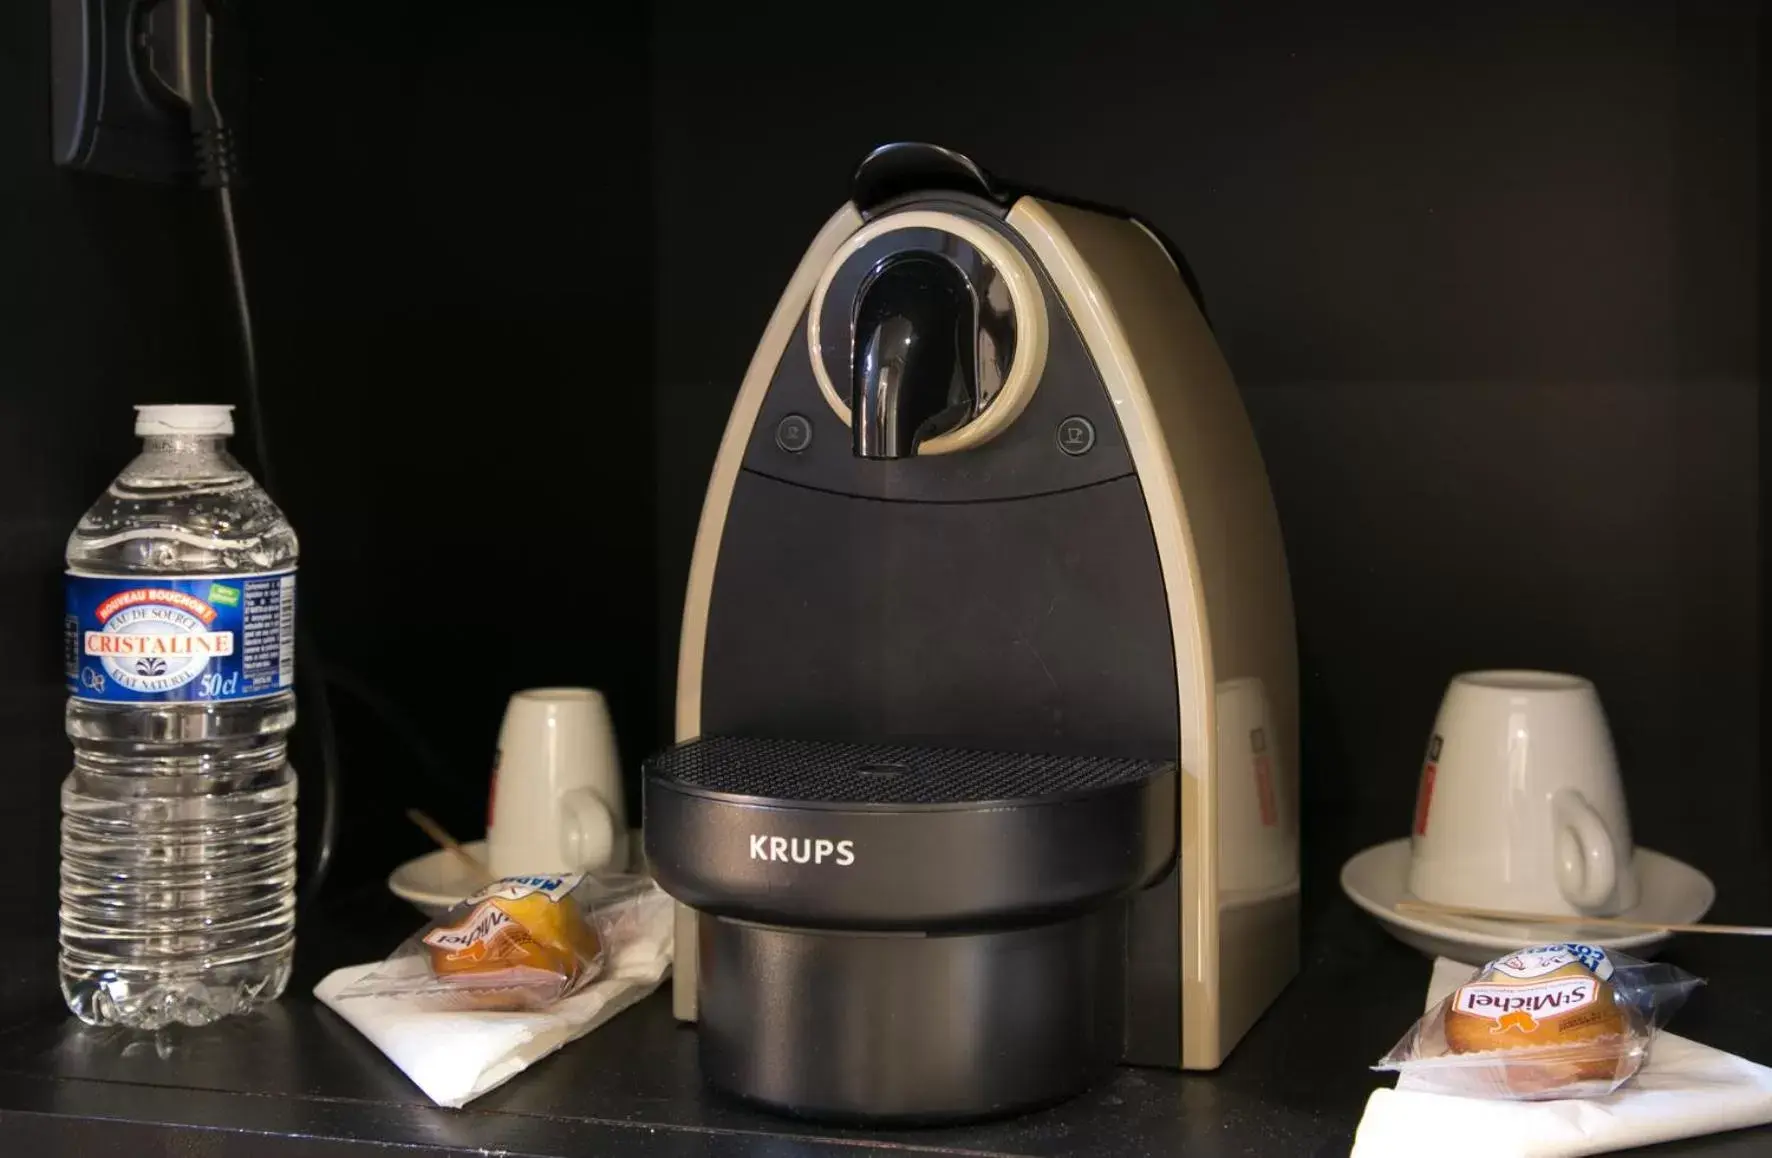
(1066, 545)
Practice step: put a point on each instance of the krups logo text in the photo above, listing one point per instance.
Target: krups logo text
(797, 850)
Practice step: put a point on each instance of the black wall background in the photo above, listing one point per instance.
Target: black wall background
(1486, 274)
(99, 308)
(450, 225)
(447, 234)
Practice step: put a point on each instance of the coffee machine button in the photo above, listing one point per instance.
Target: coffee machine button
(1076, 435)
(794, 433)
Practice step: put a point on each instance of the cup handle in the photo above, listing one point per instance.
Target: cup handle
(1587, 860)
(586, 830)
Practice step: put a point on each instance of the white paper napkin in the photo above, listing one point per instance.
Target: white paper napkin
(456, 1057)
(1683, 1090)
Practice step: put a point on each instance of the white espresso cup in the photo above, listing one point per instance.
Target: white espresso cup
(1257, 812)
(1520, 805)
(556, 800)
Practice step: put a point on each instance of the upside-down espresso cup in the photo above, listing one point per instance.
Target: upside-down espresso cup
(1520, 805)
(556, 802)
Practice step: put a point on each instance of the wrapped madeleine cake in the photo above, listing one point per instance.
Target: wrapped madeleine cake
(523, 946)
(1553, 1021)
(521, 943)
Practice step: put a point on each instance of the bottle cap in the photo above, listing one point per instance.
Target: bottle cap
(184, 420)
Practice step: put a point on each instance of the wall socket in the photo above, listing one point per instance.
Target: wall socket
(123, 75)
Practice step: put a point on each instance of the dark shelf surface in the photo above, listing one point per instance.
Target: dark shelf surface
(296, 1080)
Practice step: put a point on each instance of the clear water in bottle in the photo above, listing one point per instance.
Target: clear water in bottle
(178, 820)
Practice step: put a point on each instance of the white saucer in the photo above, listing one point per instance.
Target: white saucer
(437, 881)
(1668, 891)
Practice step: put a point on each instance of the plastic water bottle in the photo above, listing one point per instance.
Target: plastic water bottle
(178, 820)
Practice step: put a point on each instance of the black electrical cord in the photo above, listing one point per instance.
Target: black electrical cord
(307, 656)
(218, 168)
(248, 344)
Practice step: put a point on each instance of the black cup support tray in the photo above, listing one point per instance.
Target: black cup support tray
(811, 834)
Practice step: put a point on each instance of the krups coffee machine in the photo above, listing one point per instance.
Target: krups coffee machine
(985, 775)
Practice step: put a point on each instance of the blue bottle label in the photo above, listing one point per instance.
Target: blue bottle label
(177, 640)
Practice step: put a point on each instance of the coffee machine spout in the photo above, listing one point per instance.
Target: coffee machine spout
(914, 373)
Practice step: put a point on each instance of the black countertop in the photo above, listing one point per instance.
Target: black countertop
(296, 1080)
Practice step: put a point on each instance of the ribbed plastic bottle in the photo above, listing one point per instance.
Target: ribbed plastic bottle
(178, 820)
